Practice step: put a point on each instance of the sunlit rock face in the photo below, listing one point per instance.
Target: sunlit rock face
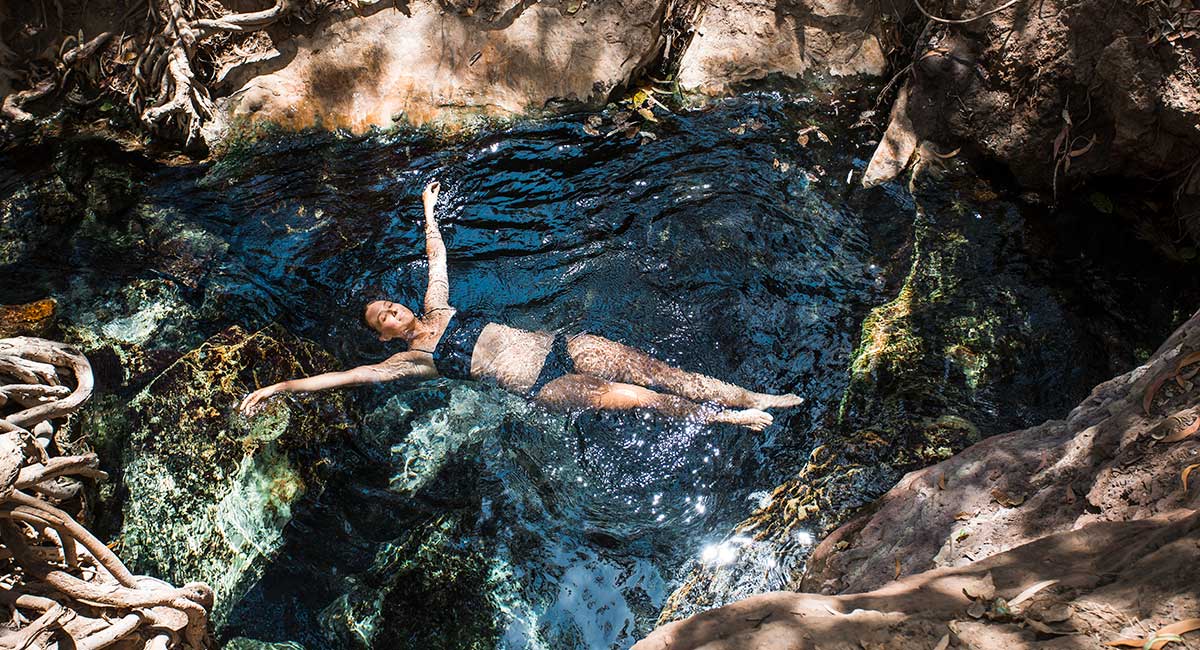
(206, 491)
(427, 63)
(738, 41)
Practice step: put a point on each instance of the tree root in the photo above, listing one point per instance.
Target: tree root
(68, 589)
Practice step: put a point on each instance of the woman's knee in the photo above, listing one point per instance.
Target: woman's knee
(571, 391)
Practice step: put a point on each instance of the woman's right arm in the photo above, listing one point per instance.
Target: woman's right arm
(413, 364)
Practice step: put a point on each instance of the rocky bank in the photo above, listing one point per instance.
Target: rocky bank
(1071, 534)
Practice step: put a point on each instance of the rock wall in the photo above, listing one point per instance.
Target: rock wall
(1069, 534)
(428, 62)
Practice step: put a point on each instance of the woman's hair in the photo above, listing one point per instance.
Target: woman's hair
(365, 321)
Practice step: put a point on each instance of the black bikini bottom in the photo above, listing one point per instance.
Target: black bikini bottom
(558, 363)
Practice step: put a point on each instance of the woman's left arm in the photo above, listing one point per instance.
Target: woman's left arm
(437, 295)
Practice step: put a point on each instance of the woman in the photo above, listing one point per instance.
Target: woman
(580, 372)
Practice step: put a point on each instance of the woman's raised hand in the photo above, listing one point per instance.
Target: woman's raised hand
(431, 192)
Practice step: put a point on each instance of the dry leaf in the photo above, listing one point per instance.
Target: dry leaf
(1082, 150)
(738, 130)
(1046, 629)
(1029, 592)
(1184, 476)
(1007, 501)
(897, 576)
(594, 120)
(647, 114)
(802, 139)
(590, 130)
(963, 516)
(1161, 637)
(976, 610)
(942, 482)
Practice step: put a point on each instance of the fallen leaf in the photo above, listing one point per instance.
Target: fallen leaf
(590, 130)
(1184, 476)
(1151, 390)
(647, 114)
(963, 516)
(1042, 628)
(976, 610)
(594, 120)
(802, 139)
(1030, 592)
(1159, 638)
(755, 124)
(942, 482)
(1179, 426)
(738, 130)
(1082, 150)
(897, 576)
(1007, 501)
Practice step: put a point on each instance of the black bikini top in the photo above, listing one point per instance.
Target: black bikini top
(452, 356)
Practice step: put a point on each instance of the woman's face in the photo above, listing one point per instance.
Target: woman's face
(389, 319)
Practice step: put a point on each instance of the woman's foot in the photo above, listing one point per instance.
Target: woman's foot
(752, 419)
(765, 401)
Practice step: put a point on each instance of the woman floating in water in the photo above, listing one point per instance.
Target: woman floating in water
(579, 372)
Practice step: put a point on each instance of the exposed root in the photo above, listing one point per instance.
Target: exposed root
(98, 602)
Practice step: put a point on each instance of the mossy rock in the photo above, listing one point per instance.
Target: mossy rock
(207, 492)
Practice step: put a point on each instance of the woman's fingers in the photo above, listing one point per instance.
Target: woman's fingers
(250, 402)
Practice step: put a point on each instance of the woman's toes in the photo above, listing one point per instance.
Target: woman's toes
(754, 419)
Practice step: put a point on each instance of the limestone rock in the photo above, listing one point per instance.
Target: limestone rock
(1073, 526)
(429, 64)
(739, 40)
(208, 492)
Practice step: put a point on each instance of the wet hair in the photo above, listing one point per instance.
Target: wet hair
(366, 321)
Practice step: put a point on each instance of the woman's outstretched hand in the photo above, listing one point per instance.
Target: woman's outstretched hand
(431, 192)
(253, 402)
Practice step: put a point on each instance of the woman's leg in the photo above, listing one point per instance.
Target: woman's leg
(600, 357)
(583, 392)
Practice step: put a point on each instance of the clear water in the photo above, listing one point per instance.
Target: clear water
(696, 247)
(459, 516)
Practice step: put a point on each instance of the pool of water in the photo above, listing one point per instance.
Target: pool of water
(457, 515)
(712, 247)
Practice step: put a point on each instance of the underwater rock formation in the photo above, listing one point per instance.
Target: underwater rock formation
(29, 319)
(1082, 528)
(206, 491)
(973, 326)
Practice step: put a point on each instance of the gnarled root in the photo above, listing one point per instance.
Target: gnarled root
(97, 601)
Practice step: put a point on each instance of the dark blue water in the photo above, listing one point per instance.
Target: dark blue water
(459, 516)
(696, 247)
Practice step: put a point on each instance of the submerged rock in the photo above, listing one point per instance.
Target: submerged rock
(207, 492)
(975, 342)
(30, 319)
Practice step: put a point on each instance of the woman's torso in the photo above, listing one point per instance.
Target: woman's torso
(472, 347)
